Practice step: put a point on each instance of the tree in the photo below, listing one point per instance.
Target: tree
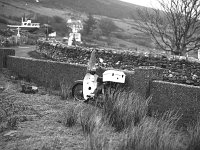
(175, 27)
(107, 26)
(58, 19)
(89, 25)
(6, 32)
(46, 29)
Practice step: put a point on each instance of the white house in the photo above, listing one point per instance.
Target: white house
(75, 25)
(25, 24)
(52, 34)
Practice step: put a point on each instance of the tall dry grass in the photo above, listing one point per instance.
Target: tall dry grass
(123, 111)
(126, 113)
(149, 134)
(194, 134)
(68, 117)
(99, 138)
(90, 118)
(124, 108)
(155, 134)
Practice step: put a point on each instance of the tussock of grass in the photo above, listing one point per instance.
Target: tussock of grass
(68, 117)
(149, 134)
(124, 108)
(98, 139)
(194, 132)
(155, 134)
(127, 112)
(90, 117)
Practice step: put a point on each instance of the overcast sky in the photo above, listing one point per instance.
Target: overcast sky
(147, 3)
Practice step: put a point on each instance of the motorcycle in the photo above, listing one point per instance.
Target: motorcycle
(92, 86)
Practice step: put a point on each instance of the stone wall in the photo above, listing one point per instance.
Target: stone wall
(52, 73)
(4, 52)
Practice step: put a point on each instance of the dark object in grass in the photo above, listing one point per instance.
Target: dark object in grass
(1, 88)
(28, 89)
(14, 77)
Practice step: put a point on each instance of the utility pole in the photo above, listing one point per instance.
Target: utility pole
(47, 33)
(47, 29)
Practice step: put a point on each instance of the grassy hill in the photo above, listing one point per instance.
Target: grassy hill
(110, 8)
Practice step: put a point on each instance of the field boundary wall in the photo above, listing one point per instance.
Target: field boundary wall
(4, 52)
(52, 73)
(179, 97)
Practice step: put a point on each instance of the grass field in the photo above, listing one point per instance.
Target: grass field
(33, 121)
(47, 121)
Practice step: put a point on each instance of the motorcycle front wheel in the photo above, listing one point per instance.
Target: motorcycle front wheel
(77, 92)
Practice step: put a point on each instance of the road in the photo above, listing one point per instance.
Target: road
(22, 51)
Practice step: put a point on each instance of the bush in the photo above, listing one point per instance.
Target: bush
(58, 19)
(3, 21)
(31, 41)
(122, 45)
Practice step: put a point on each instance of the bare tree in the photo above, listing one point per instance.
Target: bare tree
(174, 27)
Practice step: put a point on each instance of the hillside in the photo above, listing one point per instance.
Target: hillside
(46, 11)
(110, 8)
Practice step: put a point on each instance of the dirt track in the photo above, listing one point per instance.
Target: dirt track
(22, 51)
